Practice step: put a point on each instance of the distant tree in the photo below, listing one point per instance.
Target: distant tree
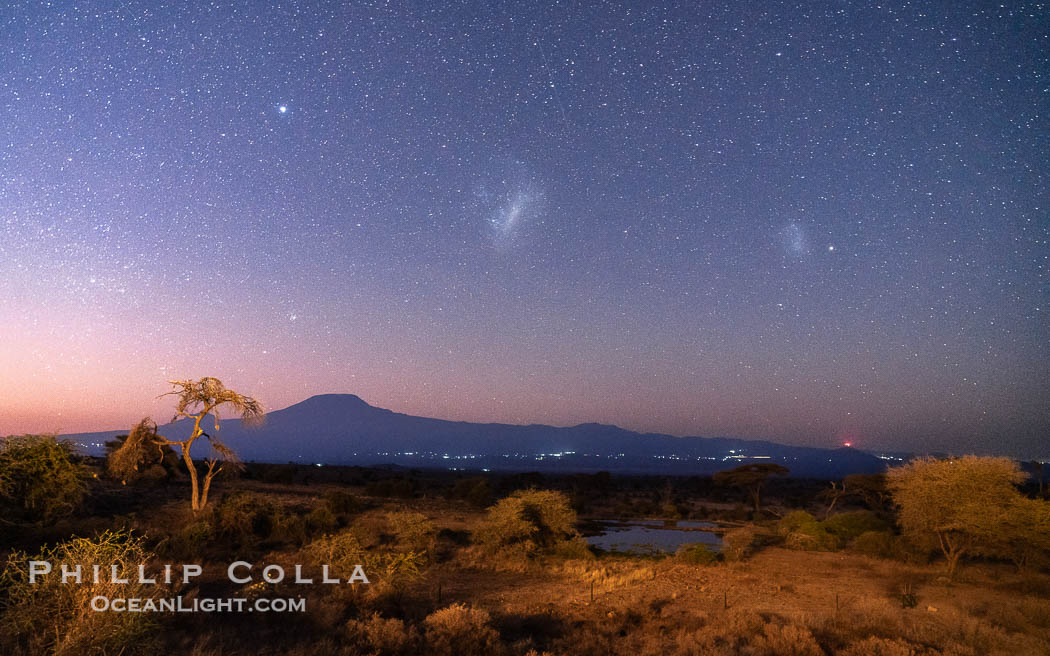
(139, 454)
(831, 495)
(1039, 467)
(751, 477)
(961, 505)
(871, 488)
(39, 478)
(195, 399)
(1024, 534)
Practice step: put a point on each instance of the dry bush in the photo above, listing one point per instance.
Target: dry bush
(528, 522)
(949, 630)
(724, 636)
(696, 554)
(475, 491)
(340, 551)
(876, 544)
(377, 636)
(848, 526)
(785, 640)
(801, 530)
(738, 543)
(573, 549)
(188, 541)
(321, 520)
(460, 630)
(885, 647)
(38, 478)
(608, 577)
(341, 502)
(386, 569)
(246, 518)
(55, 618)
(1036, 611)
(413, 530)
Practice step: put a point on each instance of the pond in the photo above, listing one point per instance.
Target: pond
(653, 536)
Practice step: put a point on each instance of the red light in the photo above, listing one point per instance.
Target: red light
(847, 444)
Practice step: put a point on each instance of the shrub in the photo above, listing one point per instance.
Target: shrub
(876, 544)
(738, 543)
(850, 525)
(39, 478)
(475, 491)
(533, 521)
(886, 647)
(341, 502)
(246, 518)
(573, 549)
(670, 511)
(341, 551)
(382, 637)
(413, 530)
(398, 488)
(188, 541)
(801, 530)
(321, 520)
(459, 630)
(396, 569)
(729, 633)
(696, 554)
(785, 640)
(793, 521)
(51, 617)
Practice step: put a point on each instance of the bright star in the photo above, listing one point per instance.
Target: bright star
(283, 109)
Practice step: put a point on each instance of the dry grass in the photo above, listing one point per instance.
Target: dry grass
(772, 602)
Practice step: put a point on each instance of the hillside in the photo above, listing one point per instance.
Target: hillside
(344, 429)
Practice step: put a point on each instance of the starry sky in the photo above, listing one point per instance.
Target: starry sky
(809, 222)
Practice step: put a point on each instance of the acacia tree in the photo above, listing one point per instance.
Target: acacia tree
(750, 477)
(196, 399)
(1039, 466)
(961, 505)
(139, 453)
(871, 488)
(1024, 536)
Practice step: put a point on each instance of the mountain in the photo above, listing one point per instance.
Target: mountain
(339, 429)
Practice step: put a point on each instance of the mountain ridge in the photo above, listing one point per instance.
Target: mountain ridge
(343, 429)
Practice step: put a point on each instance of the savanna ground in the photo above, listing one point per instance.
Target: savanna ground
(440, 586)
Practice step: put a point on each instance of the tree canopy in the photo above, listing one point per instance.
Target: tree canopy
(195, 399)
(751, 477)
(960, 505)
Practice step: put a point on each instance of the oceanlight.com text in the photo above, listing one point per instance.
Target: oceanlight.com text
(179, 604)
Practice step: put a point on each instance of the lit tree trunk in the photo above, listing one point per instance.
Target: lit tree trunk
(193, 476)
(212, 471)
(953, 548)
(196, 500)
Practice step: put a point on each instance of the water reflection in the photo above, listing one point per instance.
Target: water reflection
(649, 536)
